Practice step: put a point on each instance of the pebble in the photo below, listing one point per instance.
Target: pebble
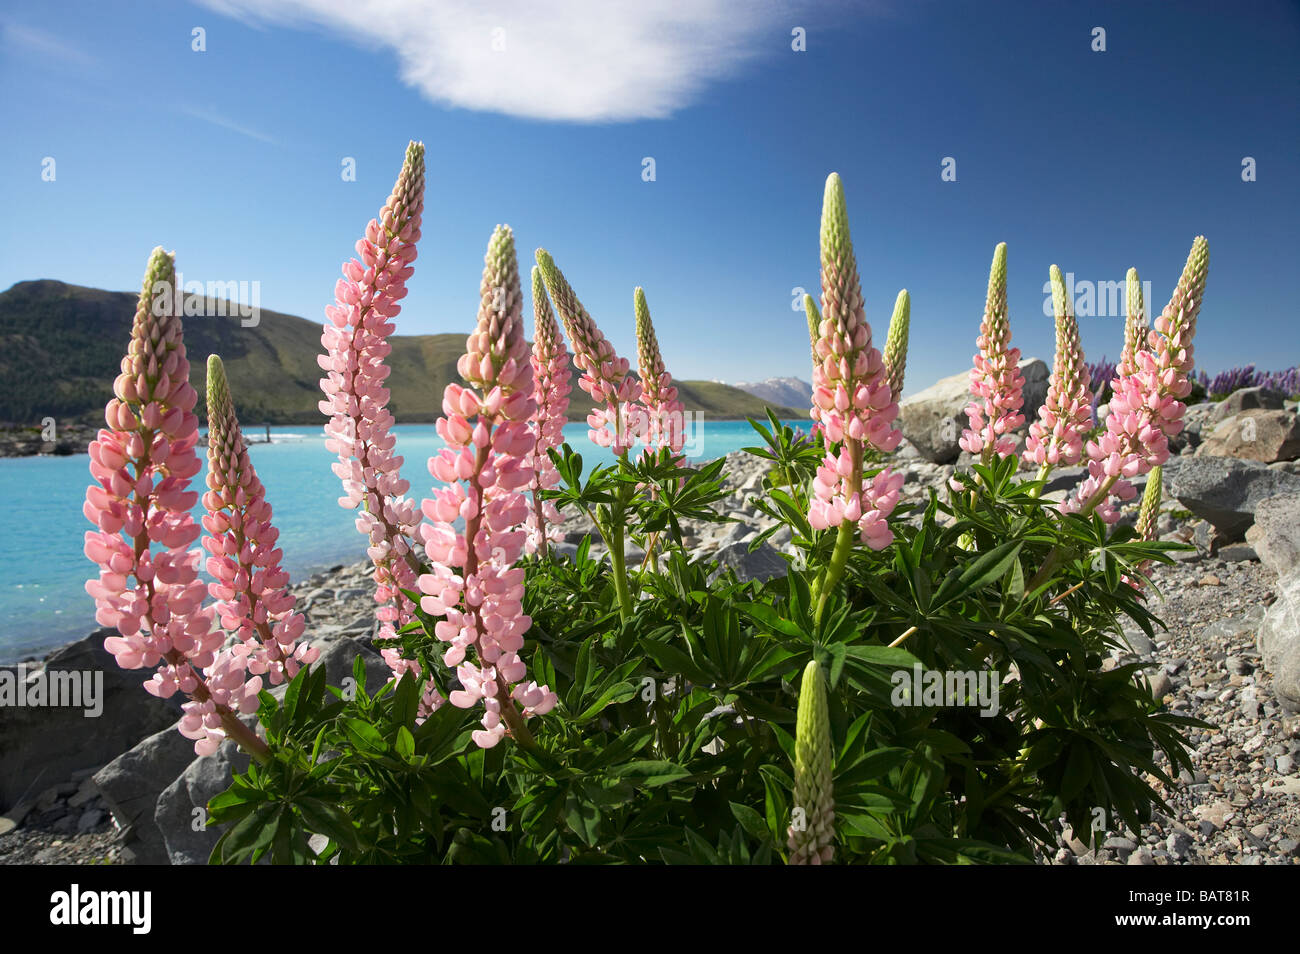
(1238, 666)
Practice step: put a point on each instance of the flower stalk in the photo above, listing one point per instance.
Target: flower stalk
(484, 467)
(551, 388)
(853, 404)
(356, 402)
(995, 379)
(148, 587)
(1056, 437)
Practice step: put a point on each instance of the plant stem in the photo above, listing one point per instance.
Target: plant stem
(835, 569)
(245, 737)
(618, 561)
(900, 639)
(1054, 558)
(1042, 475)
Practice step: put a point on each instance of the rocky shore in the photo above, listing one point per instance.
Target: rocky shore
(126, 789)
(60, 440)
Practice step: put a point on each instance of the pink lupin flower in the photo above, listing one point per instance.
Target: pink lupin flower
(1146, 408)
(662, 423)
(485, 468)
(995, 380)
(1065, 418)
(551, 387)
(852, 402)
(359, 429)
(604, 374)
(148, 587)
(250, 586)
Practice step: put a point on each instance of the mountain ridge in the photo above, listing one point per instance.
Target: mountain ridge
(789, 392)
(61, 347)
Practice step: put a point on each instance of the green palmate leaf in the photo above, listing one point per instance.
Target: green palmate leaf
(583, 819)
(364, 735)
(329, 820)
(981, 572)
(612, 696)
(652, 774)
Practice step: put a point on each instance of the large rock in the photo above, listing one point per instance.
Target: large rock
(933, 419)
(181, 810)
(155, 789)
(131, 784)
(1247, 399)
(42, 745)
(1276, 538)
(1225, 490)
(1255, 434)
(761, 564)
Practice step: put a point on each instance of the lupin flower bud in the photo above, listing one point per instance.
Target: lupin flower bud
(812, 830)
(814, 323)
(148, 587)
(1135, 326)
(254, 602)
(1065, 418)
(355, 361)
(1146, 409)
(851, 397)
(995, 379)
(551, 388)
(663, 414)
(474, 585)
(1148, 517)
(604, 374)
(895, 355)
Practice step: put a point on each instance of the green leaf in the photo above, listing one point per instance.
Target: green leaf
(611, 696)
(651, 774)
(364, 735)
(978, 574)
(325, 818)
(751, 821)
(404, 744)
(583, 819)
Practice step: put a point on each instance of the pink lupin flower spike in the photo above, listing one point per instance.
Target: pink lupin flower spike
(356, 402)
(662, 423)
(995, 380)
(551, 388)
(1146, 408)
(148, 587)
(485, 467)
(604, 374)
(852, 401)
(1065, 419)
(254, 602)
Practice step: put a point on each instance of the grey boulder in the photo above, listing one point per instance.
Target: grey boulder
(761, 564)
(48, 743)
(1225, 490)
(1276, 538)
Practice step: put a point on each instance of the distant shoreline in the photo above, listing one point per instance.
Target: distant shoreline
(74, 438)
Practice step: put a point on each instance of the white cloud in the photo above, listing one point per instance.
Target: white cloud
(572, 60)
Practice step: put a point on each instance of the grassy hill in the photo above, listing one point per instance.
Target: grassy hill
(61, 346)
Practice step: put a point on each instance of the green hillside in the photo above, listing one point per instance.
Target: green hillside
(61, 346)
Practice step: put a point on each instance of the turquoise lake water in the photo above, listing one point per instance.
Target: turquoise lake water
(43, 602)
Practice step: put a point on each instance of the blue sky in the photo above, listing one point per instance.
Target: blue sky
(1091, 160)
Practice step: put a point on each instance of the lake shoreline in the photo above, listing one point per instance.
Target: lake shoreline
(74, 438)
